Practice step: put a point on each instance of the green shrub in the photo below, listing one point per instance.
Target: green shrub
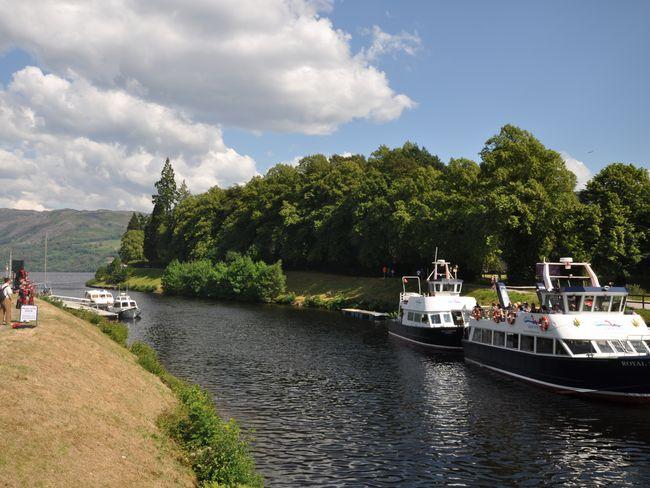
(286, 298)
(218, 451)
(239, 277)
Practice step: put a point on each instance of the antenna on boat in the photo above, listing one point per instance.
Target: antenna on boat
(435, 265)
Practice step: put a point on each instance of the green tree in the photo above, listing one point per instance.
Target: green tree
(619, 197)
(528, 192)
(159, 230)
(134, 223)
(132, 246)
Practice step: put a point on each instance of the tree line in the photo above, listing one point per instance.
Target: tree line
(355, 214)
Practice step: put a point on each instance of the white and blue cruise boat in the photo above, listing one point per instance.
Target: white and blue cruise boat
(437, 319)
(580, 341)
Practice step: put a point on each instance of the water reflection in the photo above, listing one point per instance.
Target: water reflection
(336, 402)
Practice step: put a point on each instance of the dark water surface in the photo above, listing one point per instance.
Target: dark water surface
(336, 402)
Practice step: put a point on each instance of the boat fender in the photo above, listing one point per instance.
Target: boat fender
(544, 323)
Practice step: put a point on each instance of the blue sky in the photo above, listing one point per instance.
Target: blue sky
(96, 103)
(576, 74)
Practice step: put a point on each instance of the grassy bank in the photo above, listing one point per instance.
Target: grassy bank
(325, 290)
(306, 288)
(77, 410)
(96, 416)
(140, 279)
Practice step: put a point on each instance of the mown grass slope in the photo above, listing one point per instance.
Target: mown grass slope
(77, 410)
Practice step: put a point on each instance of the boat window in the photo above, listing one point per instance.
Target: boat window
(132, 304)
(559, 349)
(458, 288)
(555, 303)
(458, 317)
(447, 317)
(512, 341)
(616, 303)
(622, 346)
(487, 336)
(409, 316)
(573, 302)
(579, 346)
(477, 334)
(499, 338)
(435, 318)
(544, 345)
(639, 347)
(588, 303)
(604, 347)
(425, 318)
(601, 304)
(527, 343)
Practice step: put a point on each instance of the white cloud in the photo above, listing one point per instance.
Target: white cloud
(583, 174)
(66, 143)
(384, 43)
(257, 64)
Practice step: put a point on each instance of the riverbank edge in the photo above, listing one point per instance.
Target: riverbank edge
(326, 291)
(194, 424)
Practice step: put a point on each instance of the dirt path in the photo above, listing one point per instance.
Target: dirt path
(76, 410)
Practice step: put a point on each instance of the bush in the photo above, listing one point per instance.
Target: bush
(218, 451)
(239, 277)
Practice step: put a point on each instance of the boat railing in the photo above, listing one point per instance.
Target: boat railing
(405, 280)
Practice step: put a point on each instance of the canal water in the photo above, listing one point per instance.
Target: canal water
(337, 402)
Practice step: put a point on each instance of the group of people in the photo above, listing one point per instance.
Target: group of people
(500, 314)
(25, 289)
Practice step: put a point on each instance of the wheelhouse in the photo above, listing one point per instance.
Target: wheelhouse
(573, 288)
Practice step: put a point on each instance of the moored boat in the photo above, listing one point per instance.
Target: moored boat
(437, 319)
(125, 307)
(579, 341)
(99, 298)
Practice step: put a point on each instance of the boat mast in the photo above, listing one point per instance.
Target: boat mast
(45, 265)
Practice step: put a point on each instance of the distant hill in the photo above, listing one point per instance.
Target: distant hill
(78, 240)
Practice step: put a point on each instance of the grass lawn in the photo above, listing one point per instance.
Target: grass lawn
(380, 292)
(77, 410)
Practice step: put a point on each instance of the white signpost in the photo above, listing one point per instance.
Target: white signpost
(29, 313)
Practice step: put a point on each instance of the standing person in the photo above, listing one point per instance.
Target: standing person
(5, 301)
(384, 270)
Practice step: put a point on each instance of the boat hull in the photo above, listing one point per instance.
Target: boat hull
(443, 338)
(616, 378)
(129, 314)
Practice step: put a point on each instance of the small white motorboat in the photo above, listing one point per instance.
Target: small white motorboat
(125, 307)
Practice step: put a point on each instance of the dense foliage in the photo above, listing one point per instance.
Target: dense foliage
(238, 277)
(355, 214)
(113, 273)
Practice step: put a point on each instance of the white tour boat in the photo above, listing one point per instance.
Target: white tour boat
(437, 319)
(581, 341)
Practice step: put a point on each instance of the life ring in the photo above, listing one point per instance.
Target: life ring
(544, 323)
(512, 316)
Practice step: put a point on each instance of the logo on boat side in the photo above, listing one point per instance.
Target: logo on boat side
(640, 364)
(607, 323)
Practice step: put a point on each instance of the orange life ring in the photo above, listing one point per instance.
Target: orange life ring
(512, 316)
(544, 323)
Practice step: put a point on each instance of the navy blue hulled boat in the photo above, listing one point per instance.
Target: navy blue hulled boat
(438, 319)
(581, 342)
